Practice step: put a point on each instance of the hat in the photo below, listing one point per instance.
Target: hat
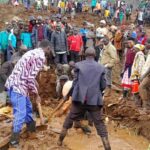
(66, 88)
(23, 47)
(139, 46)
(103, 21)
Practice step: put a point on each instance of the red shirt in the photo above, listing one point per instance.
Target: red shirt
(75, 43)
(142, 40)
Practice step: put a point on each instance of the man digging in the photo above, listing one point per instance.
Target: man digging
(20, 83)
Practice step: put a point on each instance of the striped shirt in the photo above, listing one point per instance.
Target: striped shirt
(23, 78)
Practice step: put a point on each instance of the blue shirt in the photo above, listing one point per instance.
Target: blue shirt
(83, 31)
(3, 40)
(12, 39)
(26, 39)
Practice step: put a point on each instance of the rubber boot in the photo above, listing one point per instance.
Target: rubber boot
(85, 129)
(31, 130)
(62, 136)
(106, 143)
(14, 140)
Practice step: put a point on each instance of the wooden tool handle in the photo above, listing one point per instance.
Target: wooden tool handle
(40, 113)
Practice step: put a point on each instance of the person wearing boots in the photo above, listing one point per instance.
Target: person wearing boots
(20, 83)
(87, 96)
(109, 58)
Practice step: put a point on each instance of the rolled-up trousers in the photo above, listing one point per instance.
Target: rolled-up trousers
(77, 112)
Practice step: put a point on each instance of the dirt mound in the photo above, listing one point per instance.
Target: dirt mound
(47, 84)
(128, 115)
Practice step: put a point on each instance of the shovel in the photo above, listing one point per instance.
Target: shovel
(43, 121)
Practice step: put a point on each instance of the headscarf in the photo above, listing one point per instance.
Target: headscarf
(140, 47)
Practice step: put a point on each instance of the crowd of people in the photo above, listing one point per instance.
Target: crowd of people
(76, 51)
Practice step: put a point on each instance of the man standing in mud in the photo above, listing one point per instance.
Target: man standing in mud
(88, 85)
(20, 83)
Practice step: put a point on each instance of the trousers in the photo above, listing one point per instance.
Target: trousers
(61, 59)
(22, 110)
(77, 112)
(74, 56)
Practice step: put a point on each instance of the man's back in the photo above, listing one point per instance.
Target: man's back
(89, 82)
(23, 76)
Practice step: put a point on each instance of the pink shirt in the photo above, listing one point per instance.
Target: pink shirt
(23, 78)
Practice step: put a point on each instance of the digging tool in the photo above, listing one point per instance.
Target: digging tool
(42, 120)
(40, 113)
(66, 89)
(57, 108)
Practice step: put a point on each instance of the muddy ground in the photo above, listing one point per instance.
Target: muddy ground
(126, 124)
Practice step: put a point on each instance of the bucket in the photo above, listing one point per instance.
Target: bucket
(135, 86)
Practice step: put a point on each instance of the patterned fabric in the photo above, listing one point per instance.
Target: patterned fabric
(126, 82)
(137, 66)
(22, 80)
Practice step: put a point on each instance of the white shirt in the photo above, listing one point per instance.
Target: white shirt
(140, 16)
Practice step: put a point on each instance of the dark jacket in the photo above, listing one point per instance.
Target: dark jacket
(5, 71)
(34, 35)
(89, 83)
(59, 41)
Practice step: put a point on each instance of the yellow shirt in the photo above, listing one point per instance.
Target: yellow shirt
(62, 4)
(107, 13)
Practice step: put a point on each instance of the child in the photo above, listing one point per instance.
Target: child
(26, 38)
(107, 14)
(62, 6)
